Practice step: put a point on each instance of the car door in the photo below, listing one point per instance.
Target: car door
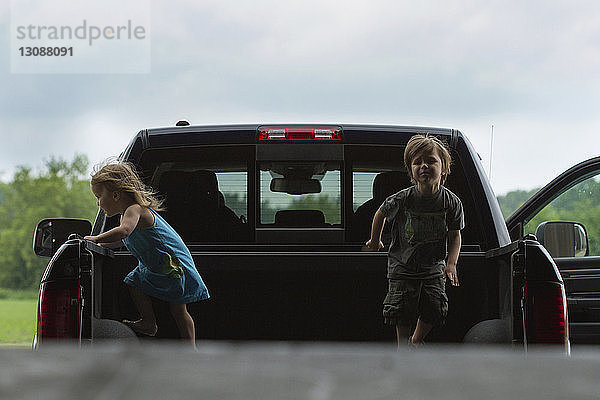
(573, 196)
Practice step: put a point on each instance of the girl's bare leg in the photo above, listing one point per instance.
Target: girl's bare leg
(147, 323)
(184, 322)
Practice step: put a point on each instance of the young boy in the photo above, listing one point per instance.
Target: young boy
(426, 221)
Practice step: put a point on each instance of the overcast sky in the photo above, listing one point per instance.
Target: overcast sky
(532, 69)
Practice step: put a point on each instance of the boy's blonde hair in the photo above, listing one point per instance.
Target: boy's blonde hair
(122, 177)
(426, 143)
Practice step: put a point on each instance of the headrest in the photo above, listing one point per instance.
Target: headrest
(180, 180)
(388, 183)
(299, 218)
(206, 180)
(174, 179)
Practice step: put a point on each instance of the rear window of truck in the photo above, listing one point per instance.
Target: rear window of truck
(223, 194)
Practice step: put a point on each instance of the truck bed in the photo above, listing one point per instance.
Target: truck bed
(299, 296)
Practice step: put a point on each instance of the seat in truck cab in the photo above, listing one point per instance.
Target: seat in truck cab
(195, 207)
(384, 185)
(300, 218)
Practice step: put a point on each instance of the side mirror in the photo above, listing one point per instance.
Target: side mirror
(563, 238)
(295, 186)
(51, 233)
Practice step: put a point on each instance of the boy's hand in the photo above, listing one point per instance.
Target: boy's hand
(91, 238)
(450, 272)
(370, 246)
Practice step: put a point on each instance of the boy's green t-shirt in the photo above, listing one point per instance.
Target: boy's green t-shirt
(420, 226)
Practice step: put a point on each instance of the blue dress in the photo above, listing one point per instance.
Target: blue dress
(166, 269)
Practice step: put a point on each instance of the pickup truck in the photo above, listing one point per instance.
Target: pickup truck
(276, 217)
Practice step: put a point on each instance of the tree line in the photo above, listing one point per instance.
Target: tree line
(579, 203)
(61, 189)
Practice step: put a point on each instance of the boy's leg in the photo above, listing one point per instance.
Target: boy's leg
(400, 307)
(184, 322)
(147, 323)
(421, 331)
(433, 307)
(402, 333)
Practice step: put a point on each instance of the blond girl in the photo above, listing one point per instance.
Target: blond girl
(166, 269)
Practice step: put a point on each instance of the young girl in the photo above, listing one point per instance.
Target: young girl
(166, 269)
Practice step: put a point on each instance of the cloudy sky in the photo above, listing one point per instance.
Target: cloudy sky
(532, 69)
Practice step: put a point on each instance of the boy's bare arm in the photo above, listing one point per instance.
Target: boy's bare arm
(454, 241)
(375, 243)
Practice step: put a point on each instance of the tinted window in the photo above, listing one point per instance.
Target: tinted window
(581, 203)
(377, 172)
(300, 194)
(205, 191)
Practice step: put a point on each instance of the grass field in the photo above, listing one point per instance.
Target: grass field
(17, 318)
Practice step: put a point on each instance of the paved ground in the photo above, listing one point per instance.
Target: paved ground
(301, 371)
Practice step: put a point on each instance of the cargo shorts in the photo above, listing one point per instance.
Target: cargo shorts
(409, 299)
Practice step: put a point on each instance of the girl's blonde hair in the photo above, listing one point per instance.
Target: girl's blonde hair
(421, 143)
(122, 177)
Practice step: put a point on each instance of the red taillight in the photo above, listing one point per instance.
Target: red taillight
(546, 321)
(330, 133)
(58, 313)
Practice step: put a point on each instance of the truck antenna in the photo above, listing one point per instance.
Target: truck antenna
(491, 153)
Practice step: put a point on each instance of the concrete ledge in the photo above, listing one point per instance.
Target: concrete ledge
(295, 371)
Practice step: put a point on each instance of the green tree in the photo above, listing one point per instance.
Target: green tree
(511, 201)
(2, 191)
(61, 189)
(579, 203)
(324, 202)
(237, 202)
